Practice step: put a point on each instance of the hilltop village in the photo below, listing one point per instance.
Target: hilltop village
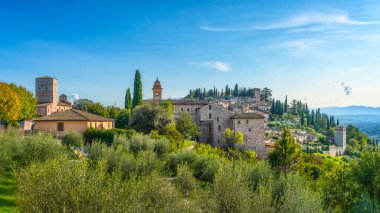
(247, 115)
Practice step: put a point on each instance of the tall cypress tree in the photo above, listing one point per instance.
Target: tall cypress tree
(236, 91)
(128, 99)
(286, 104)
(137, 90)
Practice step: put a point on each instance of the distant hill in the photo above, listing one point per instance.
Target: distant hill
(352, 110)
(367, 119)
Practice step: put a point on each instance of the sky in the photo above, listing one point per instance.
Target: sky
(323, 52)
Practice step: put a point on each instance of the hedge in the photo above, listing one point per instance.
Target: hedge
(106, 136)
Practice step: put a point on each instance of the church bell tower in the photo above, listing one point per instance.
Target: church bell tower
(157, 92)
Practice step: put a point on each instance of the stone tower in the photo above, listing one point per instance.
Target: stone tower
(46, 90)
(157, 92)
(256, 94)
(340, 137)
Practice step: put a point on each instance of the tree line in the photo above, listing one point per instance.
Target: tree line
(227, 92)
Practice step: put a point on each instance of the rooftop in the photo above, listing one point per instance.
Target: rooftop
(73, 115)
(248, 116)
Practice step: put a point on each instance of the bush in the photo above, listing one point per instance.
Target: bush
(185, 180)
(18, 150)
(161, 147)
(106, 136)
(72, 139)
(179, 158)
(139, 143)
(205, 168)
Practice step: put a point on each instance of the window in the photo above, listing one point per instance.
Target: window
(209, 116)
(188, 109)
(249, 129)
(247, 121)
(209, 128)
(60, 127)
(239, 122)
(218, 140)
(219, 128)
(181, 109)
(217, 119)
(196, 109)
(209, 107)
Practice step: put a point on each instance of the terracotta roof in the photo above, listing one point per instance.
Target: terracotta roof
(189, 102)
(73, 115)
(248, 116)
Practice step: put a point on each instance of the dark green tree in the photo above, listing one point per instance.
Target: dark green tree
(236, 91)
(187, 127)
(137, 90)
(128, 100)
(286, 153)
(286, 105)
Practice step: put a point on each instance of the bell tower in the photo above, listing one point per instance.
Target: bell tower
(157, 92)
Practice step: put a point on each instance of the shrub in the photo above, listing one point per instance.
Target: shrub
(139, 143)
(106, 136)
(179, 158)
(161, 147)
(205, 168)
(72, 139)
(185, 180)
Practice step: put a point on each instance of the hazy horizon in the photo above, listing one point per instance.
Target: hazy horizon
(322, 52)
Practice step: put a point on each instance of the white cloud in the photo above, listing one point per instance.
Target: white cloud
(300, 23)
(218, 65)
(74, 97)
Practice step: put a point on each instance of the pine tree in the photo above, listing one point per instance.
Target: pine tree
(137, 90)
(337, 122)
(312, 122)
(128, 99)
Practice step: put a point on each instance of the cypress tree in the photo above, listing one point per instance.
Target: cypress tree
(128, 100)
(286, 104)
(236, 91)
(302, 118)
(137, 90)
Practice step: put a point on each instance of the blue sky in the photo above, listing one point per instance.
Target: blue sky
(324, 52)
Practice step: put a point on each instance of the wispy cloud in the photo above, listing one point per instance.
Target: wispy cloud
(74, 97)
(218, 65)
(300, 45)
(302, 23)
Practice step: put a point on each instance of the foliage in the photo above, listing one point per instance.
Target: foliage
(82, 104)
(72, 139)
(10, 104)
(137, 90)
(186, 126)
(128, 100)
(149, 117)
(27, 100)
(231, 139)
(106, 136)
(286, 153)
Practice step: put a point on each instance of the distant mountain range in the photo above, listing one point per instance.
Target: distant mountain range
(367, 119)
(352, 110)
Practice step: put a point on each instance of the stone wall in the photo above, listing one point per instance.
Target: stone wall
(254, 134)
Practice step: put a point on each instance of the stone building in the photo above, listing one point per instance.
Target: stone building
(48, 101)
(340, 139)
(71, 120)
(247, 115)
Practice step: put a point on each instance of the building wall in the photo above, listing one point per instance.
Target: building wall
(340, 137)
(47, 90)
(254, 134)
(77, 126)
(193, 110)
(221, 120)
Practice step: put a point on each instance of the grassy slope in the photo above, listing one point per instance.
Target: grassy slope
(7, 193)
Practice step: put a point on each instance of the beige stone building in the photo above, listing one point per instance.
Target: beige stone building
(48, 101)
(71, 120)
(247, 115)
